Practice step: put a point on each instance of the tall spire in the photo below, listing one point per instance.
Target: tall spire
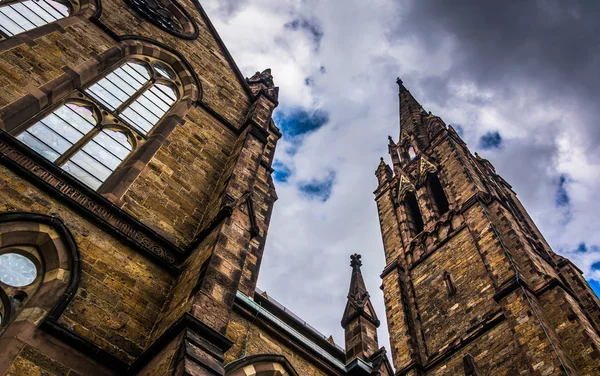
(360, 321)
(412, 116)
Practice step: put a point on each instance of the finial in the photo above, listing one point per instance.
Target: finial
(355, 260)
(399, 81)
(390, 139)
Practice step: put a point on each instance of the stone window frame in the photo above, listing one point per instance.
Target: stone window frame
(261, 365)
(436, 198)
(415, 220)
(50, 245)
(107, 118)
(189, 29)
(70, 10)
(43, 100)
(79, 10)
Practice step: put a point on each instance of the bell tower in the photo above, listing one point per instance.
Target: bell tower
(471, 287)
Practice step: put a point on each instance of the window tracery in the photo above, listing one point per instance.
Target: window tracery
(19, 16)
(96, 129)
(166, 15)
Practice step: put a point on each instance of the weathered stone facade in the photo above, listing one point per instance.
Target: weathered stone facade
(471, 287)
(154, 272)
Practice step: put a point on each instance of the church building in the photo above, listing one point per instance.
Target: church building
(135, 200)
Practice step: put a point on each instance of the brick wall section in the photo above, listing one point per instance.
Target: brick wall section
(264, 198)
(36, 65)
(495, 354)
(261, 342)
(172, 192)
(573, 329)
(179, 299)
(164, 363)
(32, 362)
(445, 317)
(121, 292)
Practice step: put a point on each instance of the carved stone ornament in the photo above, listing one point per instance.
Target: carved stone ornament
(166, 15)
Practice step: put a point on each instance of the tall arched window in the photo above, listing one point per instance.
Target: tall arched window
(19, 16)
(94, 131)
(436, 192)
(413, 213)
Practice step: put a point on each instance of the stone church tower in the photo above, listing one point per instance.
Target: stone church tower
(471, 287)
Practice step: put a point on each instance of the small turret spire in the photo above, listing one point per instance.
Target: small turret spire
(360, 343)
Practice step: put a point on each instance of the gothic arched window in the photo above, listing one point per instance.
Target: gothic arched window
(411, 153)
(436, 192)
(413, 213)
(93, 132)
(19, 16)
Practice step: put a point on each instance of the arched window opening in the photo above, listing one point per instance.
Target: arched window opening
(470, 366)
(413, 212)
(94, 132)
(21, 273)
(19, 16)
(260, 365)
(449, 282)
(137, 92)
(411, 153)
(436, 192)
(39, 268)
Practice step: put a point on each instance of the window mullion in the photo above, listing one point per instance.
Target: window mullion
(78, 146)
(135, 96)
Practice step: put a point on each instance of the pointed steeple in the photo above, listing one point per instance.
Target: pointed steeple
(359, 321)
(413, 122)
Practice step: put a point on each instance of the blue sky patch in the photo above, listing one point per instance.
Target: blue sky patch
(490, 140)
(459, 129)
(595, 285)
(562, 196)
(282, 172)
(596, 266)
(299, 121)
(320, 190)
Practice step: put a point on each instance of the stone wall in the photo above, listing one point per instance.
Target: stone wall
(121, 292)
(251, 338)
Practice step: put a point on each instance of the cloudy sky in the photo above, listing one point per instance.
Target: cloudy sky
(518, 79)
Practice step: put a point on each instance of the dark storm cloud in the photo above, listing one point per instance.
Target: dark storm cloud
(553, 45)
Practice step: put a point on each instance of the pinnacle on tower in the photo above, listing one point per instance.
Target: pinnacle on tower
(359, 321)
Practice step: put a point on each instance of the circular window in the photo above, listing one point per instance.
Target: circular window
(16, 270)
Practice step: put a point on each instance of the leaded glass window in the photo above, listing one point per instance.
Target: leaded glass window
(92, 134)
(19, 16)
